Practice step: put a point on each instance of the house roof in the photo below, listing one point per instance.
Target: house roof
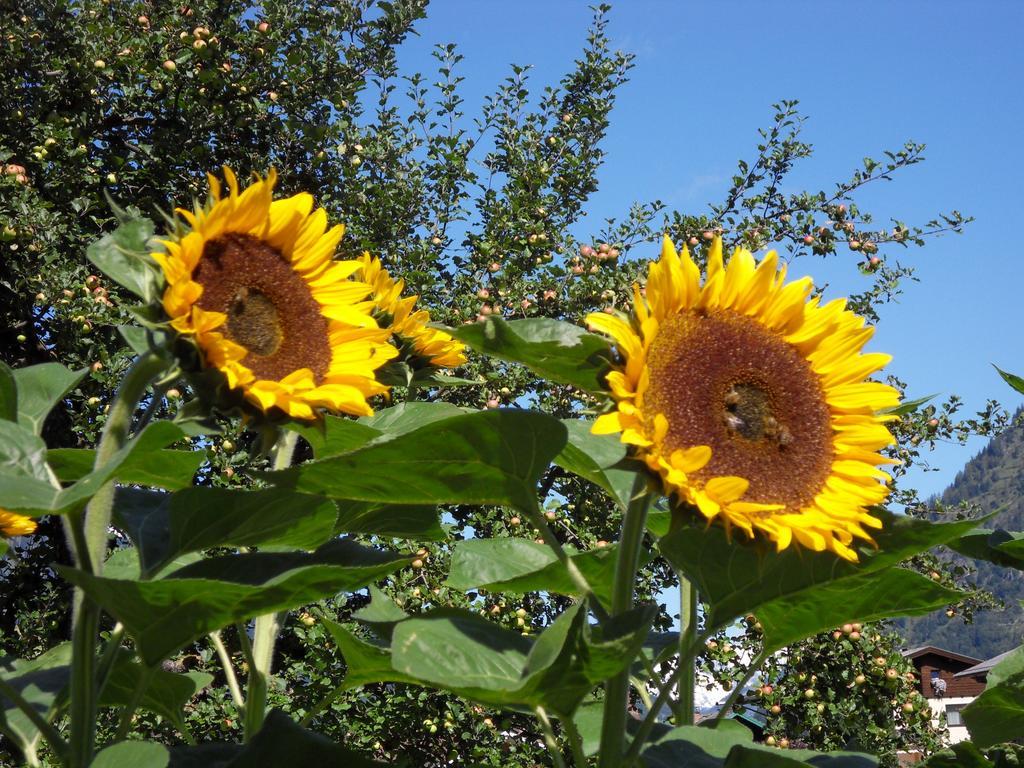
(984, 667)
(913, 653)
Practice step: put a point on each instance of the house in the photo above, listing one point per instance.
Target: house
(950, 681)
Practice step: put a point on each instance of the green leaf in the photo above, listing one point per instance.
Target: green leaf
(405, 417)
(282, 743)
(611, 646)
(166, 693)
(335, 435)
(40, 387)
(1010, 668)
(909, 406)
(22, 452)
(997, 715)
(521, 565)
(365, 662)
(1005, 548)
(736, 577)
(599, 459)
(35, 495)
(694, 747)
(489, 457)
(407, 521)
(469, 656)
(133, 754)
(8, 394)
(164, 615)
(730, 745)
(552, 349)
(166, 468)
(164, 526)
(42, 683)
(381, 613)
(866, 597)
(1014, 381)
(123, 255)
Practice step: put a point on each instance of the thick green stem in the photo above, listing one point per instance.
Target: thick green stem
(267, 626)
(616, 690)
(550, 740)
(114, 438)
(84, 695)
(89, 537)
(229, 669)
(687, 631)
(579, 756)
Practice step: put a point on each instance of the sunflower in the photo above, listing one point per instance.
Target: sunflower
(435, 346)
(751, 401)
(12, 524)
(255, 284)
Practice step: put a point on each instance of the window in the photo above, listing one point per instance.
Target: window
(953, 716)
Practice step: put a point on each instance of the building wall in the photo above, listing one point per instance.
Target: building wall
(957, 733)
(947, 669)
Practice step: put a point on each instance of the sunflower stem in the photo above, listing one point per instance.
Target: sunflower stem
(550, 740)
(266, 626)
(89, 538)
(114, 438)
(616, 696)
(687, 631)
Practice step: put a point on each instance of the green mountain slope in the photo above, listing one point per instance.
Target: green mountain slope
(994, 480)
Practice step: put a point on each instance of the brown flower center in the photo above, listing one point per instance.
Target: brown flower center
(270, 309)
(726, 381)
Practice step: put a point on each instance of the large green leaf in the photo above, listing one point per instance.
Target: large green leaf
(730, 746)
(164, 615)
(407, 521)
(553, 349)
(1005, 548)
(467, 655)
(123, 255)
(406, 417)
(997, 715)
(8, 394)
(601, 459)
(382, 613)
(22, 453)
(335, 435)
(968, 755)
(866, 597)
(282, 743)
(365, 662)
(489, 457)
(164, 526)
(34, 495)
(736, 576)
(1009, 669)
(165, 694)
(42, 683)
(166, 468)
(1012, 379)
(40, 387)
(521, 565)
(133, 754)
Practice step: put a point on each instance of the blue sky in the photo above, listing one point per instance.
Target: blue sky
(870, 76)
